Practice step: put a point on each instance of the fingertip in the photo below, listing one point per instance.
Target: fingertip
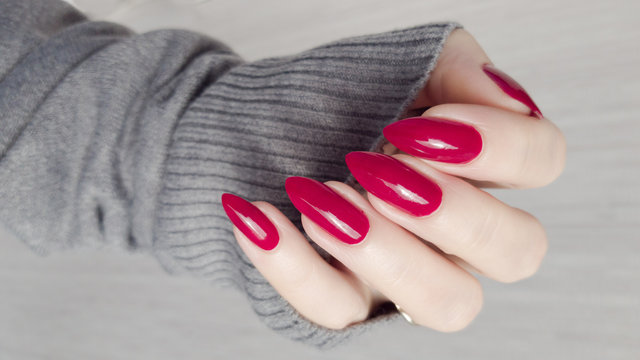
(512, 88)
(251, 221)
(466, 309)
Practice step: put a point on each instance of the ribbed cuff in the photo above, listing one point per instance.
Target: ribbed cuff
(264, 121)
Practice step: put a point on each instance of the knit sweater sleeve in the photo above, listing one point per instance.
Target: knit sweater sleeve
(109, 138)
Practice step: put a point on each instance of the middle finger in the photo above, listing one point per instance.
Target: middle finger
(434, 291)
(502, 242)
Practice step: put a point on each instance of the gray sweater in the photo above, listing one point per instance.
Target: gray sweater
(110, 138)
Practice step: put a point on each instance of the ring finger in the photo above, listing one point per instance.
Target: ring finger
(434, 291)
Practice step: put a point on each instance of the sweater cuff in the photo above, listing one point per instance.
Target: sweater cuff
(262, 122)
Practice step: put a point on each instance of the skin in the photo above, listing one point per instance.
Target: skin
(426, 265)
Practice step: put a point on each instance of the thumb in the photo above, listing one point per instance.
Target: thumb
(464, 74)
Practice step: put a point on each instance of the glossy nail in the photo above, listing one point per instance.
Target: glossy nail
(329, 210)
(435, 139)
(511, 88)
(394, 182)
(253, 223)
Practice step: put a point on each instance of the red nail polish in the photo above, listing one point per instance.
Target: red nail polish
(326, 208)
(511, 88)
(435, 139)
(253, 223)
(394, 182)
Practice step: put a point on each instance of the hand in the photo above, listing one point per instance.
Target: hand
(424, 226)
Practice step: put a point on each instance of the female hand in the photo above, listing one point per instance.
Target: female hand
(424, 226)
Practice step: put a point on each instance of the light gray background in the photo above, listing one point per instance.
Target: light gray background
(581, 62)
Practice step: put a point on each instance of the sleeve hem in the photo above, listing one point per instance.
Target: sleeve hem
(312, 109)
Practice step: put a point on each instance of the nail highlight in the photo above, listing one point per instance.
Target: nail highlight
(435, 139)
(394, 182)
(329, 210)
(511, 88)
(252, 222)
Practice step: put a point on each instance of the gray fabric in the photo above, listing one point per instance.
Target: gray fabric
(109, 138)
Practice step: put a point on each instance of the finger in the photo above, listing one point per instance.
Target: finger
(463, 76)
(285, 258)
(434, 291)
(484, 144)
(503, 243)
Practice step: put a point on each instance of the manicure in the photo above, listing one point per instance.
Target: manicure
(435, 139)
(329, 210)
(394, 182)
(511, 88)
(252, 222)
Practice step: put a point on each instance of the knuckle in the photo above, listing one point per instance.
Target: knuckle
(533, 258)
(554, 163)
(530, 261)
(525, 157)
(400, 270)
(346, 316)
(461, 312)
(462, 44)
(452, 311)
(481, 234)
(560, 155)
(454, 56)
(543, 155)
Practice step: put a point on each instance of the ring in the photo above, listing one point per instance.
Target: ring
(404, 315)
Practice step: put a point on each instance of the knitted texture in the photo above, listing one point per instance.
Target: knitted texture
(111, 138)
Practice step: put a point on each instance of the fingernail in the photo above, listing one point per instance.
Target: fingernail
(252, 222)
(511, 88)
(326, 208)
(394, 182)
(435, 139)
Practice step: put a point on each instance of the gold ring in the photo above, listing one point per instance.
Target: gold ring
(404, 315)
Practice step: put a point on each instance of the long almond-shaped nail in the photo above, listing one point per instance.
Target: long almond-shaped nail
(394, 182)
(511, 88)
(435, 139)
(252, 222)
(329, 210)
